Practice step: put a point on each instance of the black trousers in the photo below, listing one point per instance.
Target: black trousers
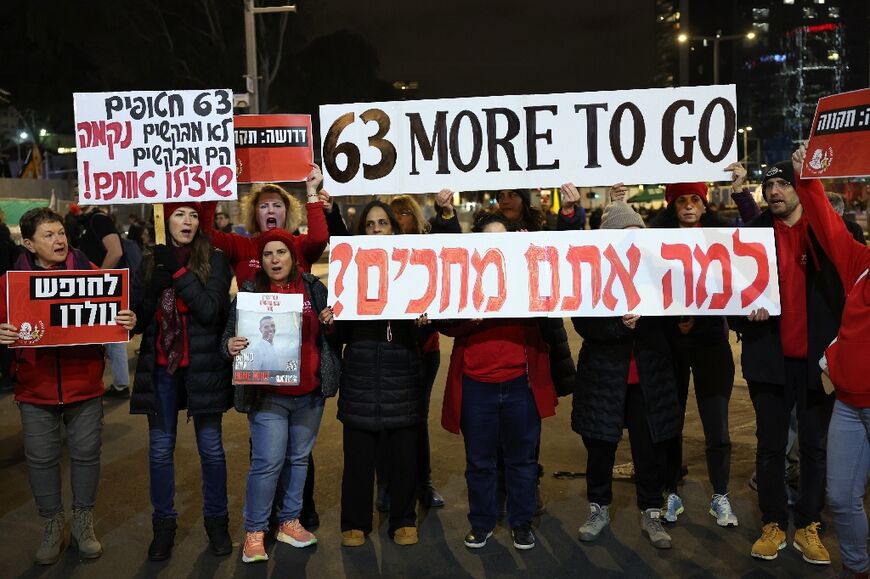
(648, 457)
(773, 404)
(712, 368)
(358, 478)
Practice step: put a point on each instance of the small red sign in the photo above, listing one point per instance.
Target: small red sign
(272, 148)
(68, 307)
(839, 144)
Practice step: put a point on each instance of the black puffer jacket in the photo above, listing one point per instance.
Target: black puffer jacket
(207, 385)
(381, 382)
(562, 368)
(602, 378)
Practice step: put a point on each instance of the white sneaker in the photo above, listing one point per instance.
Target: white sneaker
(720, 507)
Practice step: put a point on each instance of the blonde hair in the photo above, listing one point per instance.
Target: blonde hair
(292, 208)
(408, 203)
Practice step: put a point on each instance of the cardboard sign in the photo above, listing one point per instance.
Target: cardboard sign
(662, 135)
(839, 144)
(272, 323)
(655, 272)
(68, 307)
(155, 147)
(273, 148)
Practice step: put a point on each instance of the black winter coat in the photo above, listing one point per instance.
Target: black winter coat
(207, 381)
(761, 356)
(602, 378)
(381, 380)
(562, 369)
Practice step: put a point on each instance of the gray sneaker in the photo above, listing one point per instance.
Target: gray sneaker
(52, 544)
(599, 519)
(651, 524)
(83, 534)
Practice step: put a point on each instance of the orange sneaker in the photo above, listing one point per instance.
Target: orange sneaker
(293, 533)
(254, 551)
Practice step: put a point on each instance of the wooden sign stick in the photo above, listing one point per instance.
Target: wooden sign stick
(159, 225)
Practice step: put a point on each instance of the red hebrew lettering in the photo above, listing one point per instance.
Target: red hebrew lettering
(757, 252)
(115, 135)
(365, 259)
(717, 252)
(495, 258)
(679, 252)
(400, 255)
(342, 254)
(588, 254)
(428, 259)
(535, 255)
(626, 277)
(451, 256)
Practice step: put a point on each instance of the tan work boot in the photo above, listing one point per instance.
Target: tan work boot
(771, 542)
(808, 542)
(353, 538)
(83, 534)
(405, 536)
(52, 544)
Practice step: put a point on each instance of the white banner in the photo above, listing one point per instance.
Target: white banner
(155, 147)
(662, 135)
(654, 272)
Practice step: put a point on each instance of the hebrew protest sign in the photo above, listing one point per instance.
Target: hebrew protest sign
(272, 323)
(273, 148)
(68, 307)
(839, 144)
(656, 272)
(662, 135)
(155, 147)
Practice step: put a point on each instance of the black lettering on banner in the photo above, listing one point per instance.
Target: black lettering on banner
(75, 286)
(269, 137)
(476, 137)
(140, 107)
(668, 121)
(492, 141)
(388, 151)
(616, 138)
(844, 120)
(427, 146)
(331, 149)
(225, 102)
(727, 134)
(532, 137)
(591, 131)
(83, 314)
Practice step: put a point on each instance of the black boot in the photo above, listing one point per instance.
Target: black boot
(217, 529)
(164, 537)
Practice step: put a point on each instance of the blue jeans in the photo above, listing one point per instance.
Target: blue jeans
(117, 355)
(162, 432)
(43, 446)
(848, 466)
(283, 431)
(500, 416)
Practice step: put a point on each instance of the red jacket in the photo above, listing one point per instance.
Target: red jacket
(241, 251)
(55, 375)
(537, 361)
(848, 362)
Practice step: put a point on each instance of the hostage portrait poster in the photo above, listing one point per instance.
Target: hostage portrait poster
(272, 324)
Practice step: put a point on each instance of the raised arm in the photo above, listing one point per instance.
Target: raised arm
(747, 208)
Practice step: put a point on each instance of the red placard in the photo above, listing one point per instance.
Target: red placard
(68, 307)
(839, 143)
(272, 148)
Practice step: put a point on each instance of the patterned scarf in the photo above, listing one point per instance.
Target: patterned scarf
(171, 322)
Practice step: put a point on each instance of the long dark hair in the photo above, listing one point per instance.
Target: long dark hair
(361, 225)
(200, 258)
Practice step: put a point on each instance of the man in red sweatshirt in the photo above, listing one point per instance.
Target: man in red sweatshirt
(779, 359)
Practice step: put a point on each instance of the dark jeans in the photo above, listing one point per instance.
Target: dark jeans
(162, 432)
(773, 404)
(712, 368)
(358, 478)
(500, 416)
(648, 457)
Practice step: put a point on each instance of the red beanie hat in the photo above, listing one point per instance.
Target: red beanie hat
(276, 234)
(674, 190)
(170, 208)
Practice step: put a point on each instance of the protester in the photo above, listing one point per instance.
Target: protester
(222, 222)
(499, 388)
(855, 230)
(57, 386)
(381, 395)
(9, 252)
(284, 420)
(848, 458)
(701, 350)
(180, 296)
(625, 378)
(136, 227)
(779, 357)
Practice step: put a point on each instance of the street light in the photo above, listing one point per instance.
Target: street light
(251, 48)
(745, 132)
(683, 38)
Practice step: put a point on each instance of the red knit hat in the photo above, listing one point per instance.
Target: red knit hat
(170, 208)
(276, 234)
(674, 190)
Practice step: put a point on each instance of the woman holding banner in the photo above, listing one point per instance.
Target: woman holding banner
(381, 396)
(57, 386)
(180, 296)
(284, 420)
